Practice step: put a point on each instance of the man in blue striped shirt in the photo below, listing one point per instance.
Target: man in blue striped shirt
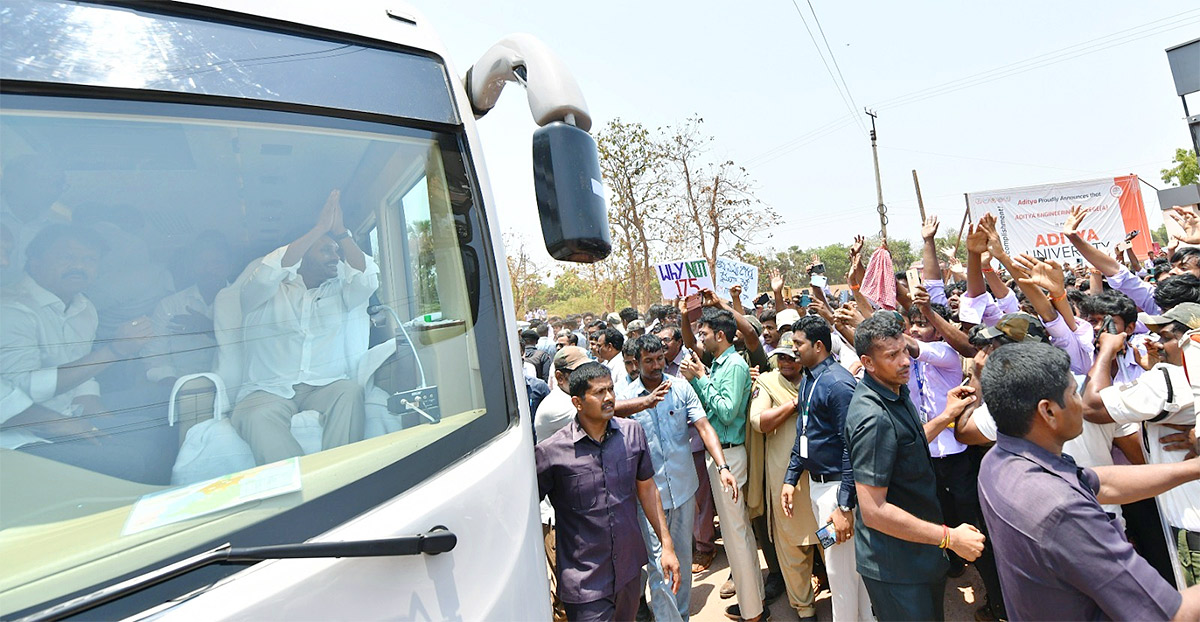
(664, 406)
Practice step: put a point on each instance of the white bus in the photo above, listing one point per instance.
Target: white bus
(194, 424)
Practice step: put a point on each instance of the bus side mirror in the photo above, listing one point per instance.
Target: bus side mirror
(570, 196)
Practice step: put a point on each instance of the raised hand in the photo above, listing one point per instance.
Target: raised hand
(1071, 227)
(1045, 274)
(847, 317)
(776, 280)
(659, 393)
(1189, 222)
(930, 228)
(822, 310)
(977, 240)
(330, 216)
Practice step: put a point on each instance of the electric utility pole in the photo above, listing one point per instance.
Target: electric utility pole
(883, 220)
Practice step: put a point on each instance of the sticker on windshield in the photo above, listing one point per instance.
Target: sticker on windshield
(214, 495)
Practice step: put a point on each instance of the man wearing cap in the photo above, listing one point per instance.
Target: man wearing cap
(1062, 557)
(773, 413)
(665, 406)
(635, 329)
(1163, 400)
(556, 410)
(819, 453)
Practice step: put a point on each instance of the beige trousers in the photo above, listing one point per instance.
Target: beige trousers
(740, 546)
(265, 420)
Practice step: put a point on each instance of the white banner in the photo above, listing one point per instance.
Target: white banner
(1030, 220)
(680, 279)
(730, 273)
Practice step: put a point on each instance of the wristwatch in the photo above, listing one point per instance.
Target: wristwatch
(723, 467)
(845, 508)
(338, 237)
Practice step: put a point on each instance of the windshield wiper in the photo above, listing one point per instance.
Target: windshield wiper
(435, 541)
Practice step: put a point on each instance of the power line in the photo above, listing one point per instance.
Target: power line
(832, 57)
(836, 85)
(803, 139)
(1043, 60)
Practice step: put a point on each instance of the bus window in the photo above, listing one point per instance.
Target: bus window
(212, 318)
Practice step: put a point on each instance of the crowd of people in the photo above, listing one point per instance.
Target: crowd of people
(1034, 419)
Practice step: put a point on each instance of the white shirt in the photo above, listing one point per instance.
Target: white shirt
(1092, 448)
(555, 412)
(39, 332)
(173, 354)
(616, 368)
(1144, 399)
(296, 335)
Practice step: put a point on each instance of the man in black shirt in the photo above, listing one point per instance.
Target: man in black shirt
(899, 527)
(825, 395)
(540, 360)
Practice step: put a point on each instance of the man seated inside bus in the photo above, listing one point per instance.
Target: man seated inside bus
(296, 307)
(49, 399)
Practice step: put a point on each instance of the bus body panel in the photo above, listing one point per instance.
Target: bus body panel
(488, 499)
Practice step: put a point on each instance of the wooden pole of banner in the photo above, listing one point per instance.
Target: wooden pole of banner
(920, 203)
(966, 219)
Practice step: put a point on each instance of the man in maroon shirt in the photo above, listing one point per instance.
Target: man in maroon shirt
(594, 469)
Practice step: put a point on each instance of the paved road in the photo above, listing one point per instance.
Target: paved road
(707, 606)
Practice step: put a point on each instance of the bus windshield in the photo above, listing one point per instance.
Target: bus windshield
(211, 318)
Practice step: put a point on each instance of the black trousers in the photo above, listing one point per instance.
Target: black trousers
(1143, 527)
(907, 601)
(958, 493)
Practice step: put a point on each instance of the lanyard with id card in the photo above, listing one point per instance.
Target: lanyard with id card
(804, 415)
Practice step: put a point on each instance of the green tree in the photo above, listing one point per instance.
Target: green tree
(1186, 171)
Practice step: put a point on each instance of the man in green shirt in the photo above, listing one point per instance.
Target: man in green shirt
(725, 393)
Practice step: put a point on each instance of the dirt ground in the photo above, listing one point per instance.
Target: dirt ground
(707, 606)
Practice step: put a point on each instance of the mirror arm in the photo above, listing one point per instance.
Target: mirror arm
(553, 93)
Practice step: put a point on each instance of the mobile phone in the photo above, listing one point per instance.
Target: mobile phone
(693, 308)
(818, 280)
(827, 535)
(762, 299)
(805, 300)
(1132, 234)
(914, 278)
(818, 269)
(1109, 326)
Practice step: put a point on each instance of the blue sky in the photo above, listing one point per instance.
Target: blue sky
(1104, 106)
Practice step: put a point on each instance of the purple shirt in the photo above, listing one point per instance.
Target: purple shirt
(1141, 292)
(593, 488)
(1077, 344)
(1060, 557)
(935, 371)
